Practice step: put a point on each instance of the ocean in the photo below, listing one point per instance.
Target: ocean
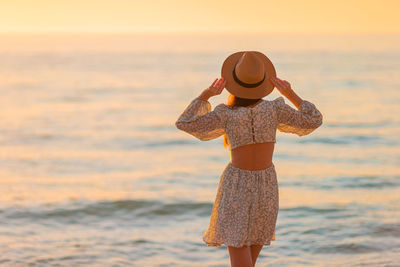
(93, 171)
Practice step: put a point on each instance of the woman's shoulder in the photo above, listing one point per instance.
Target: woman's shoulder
(221, 107)
(278, 100)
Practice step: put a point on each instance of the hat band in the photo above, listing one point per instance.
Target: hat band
(248, 85)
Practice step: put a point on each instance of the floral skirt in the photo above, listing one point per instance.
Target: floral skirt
(245, 209)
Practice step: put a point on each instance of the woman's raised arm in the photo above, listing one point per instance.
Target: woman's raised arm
(302, 121)
(198, 120)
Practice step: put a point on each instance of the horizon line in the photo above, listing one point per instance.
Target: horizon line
(138, 32)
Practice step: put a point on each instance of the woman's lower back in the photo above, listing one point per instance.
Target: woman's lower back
(253, 156)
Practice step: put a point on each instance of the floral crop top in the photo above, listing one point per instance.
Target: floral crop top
(248, 125)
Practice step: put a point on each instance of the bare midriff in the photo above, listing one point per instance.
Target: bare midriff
(253, 156)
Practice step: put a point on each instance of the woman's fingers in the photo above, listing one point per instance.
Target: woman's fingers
(217, 86)
(279, 83)
(282, 84)
(219, 83)
(215, 83)
(275, 80)
(222, 86)
(212, 85)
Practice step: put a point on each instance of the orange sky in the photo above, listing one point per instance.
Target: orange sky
(283, 16)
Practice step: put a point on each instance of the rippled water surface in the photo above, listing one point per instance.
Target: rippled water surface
(93, 171)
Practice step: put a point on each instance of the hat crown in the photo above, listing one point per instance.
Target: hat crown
(248, 73)
(250, 68)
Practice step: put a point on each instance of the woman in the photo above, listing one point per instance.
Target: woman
(246, 205)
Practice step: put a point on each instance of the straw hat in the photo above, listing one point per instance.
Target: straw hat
(247, 74)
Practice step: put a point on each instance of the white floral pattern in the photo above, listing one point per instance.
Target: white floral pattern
(245, 209)
(248, 125)
(247, 202)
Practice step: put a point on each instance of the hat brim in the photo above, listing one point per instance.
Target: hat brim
(265, 88)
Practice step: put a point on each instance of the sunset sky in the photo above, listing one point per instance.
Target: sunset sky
(283, 16)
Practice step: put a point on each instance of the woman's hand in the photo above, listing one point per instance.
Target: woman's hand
(285, 89)
(283, 86)
(214, 89)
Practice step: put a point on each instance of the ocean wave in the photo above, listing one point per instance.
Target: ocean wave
(347, 182)
(104, 209)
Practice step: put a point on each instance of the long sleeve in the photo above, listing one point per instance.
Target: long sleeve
(198, 120)
(300, 122)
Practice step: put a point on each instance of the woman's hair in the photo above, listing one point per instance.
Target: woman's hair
(235, 101)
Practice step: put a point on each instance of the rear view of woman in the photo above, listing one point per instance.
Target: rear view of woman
(246, 205)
